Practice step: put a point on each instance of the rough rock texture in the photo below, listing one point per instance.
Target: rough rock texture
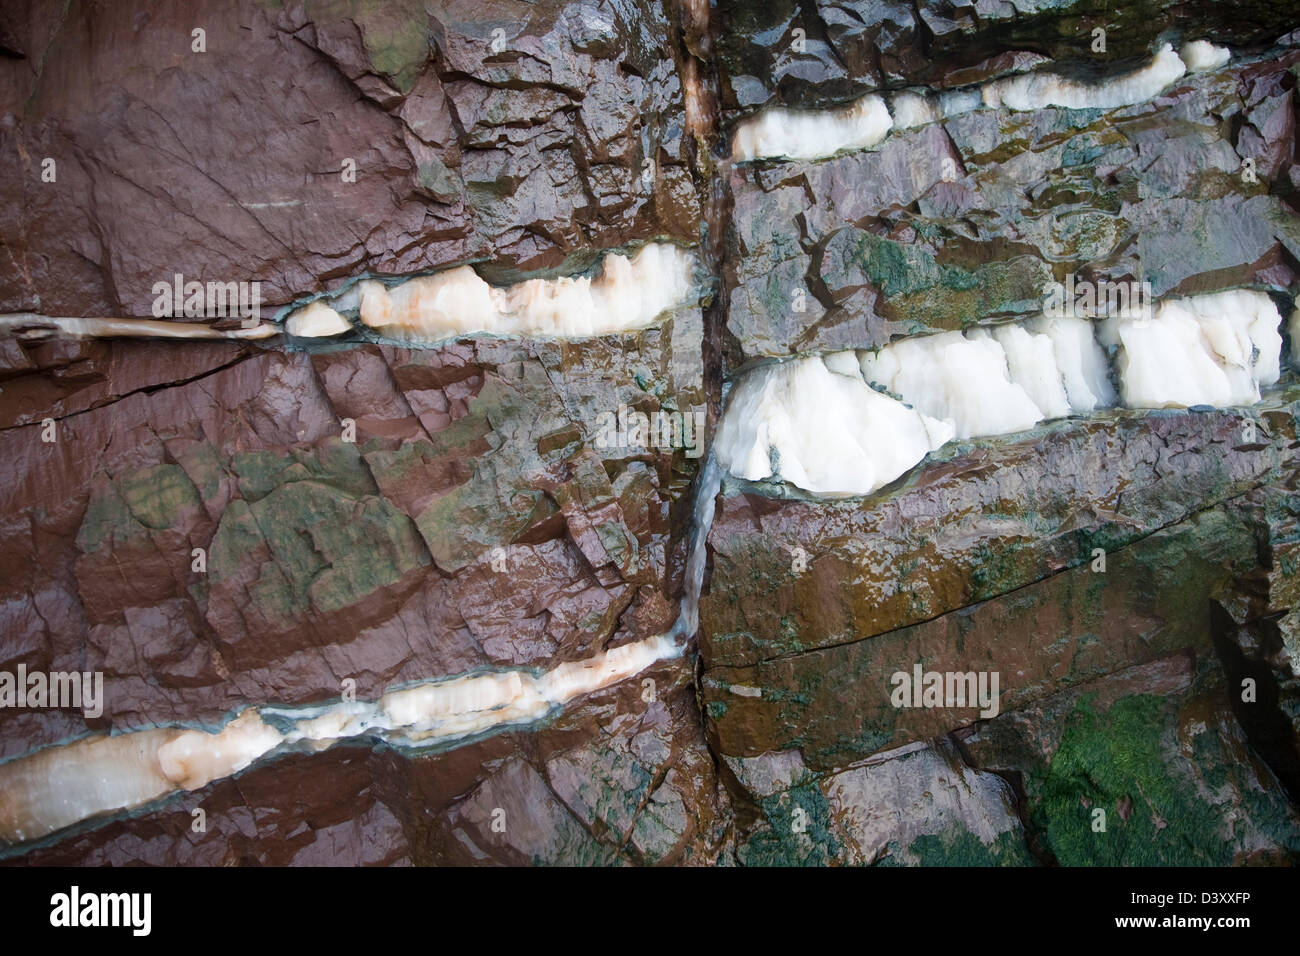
(801, 679)
(920, 806)
(616, 781)
(564, 132)
(957, 223)
(1014, 511)
(1156, 748)
(852, 46)
(386, 543)
(1121, 683)
(373, 560)
(371, 515)
(1153, 596)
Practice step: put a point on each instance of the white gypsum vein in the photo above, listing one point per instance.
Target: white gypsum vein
(58, 786)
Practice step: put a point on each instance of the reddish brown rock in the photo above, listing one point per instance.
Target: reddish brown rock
(525, 148)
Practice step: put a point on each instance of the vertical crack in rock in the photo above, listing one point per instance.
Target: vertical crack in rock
(1264, 707)
(507, 261)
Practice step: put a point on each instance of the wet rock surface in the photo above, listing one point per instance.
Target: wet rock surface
(1157, 750)
(221, 525)
(461, 457)
(920, 806)
(958, 223)
(613, 782)
(1153, 597)
(847, 48)
(313, 142)
(834, 572)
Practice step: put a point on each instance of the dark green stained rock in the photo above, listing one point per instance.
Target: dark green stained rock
(337, 464)
(797, 831)
(325, 551)
(153, 499)
(920, 806)
(1146, 767)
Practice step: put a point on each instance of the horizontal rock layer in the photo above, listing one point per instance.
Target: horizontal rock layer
(968, 220)
(373, 510)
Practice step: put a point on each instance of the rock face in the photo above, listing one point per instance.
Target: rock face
(472, 521)
(846, 48)
(1070, 644)
(315, 141)
(963, 222)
